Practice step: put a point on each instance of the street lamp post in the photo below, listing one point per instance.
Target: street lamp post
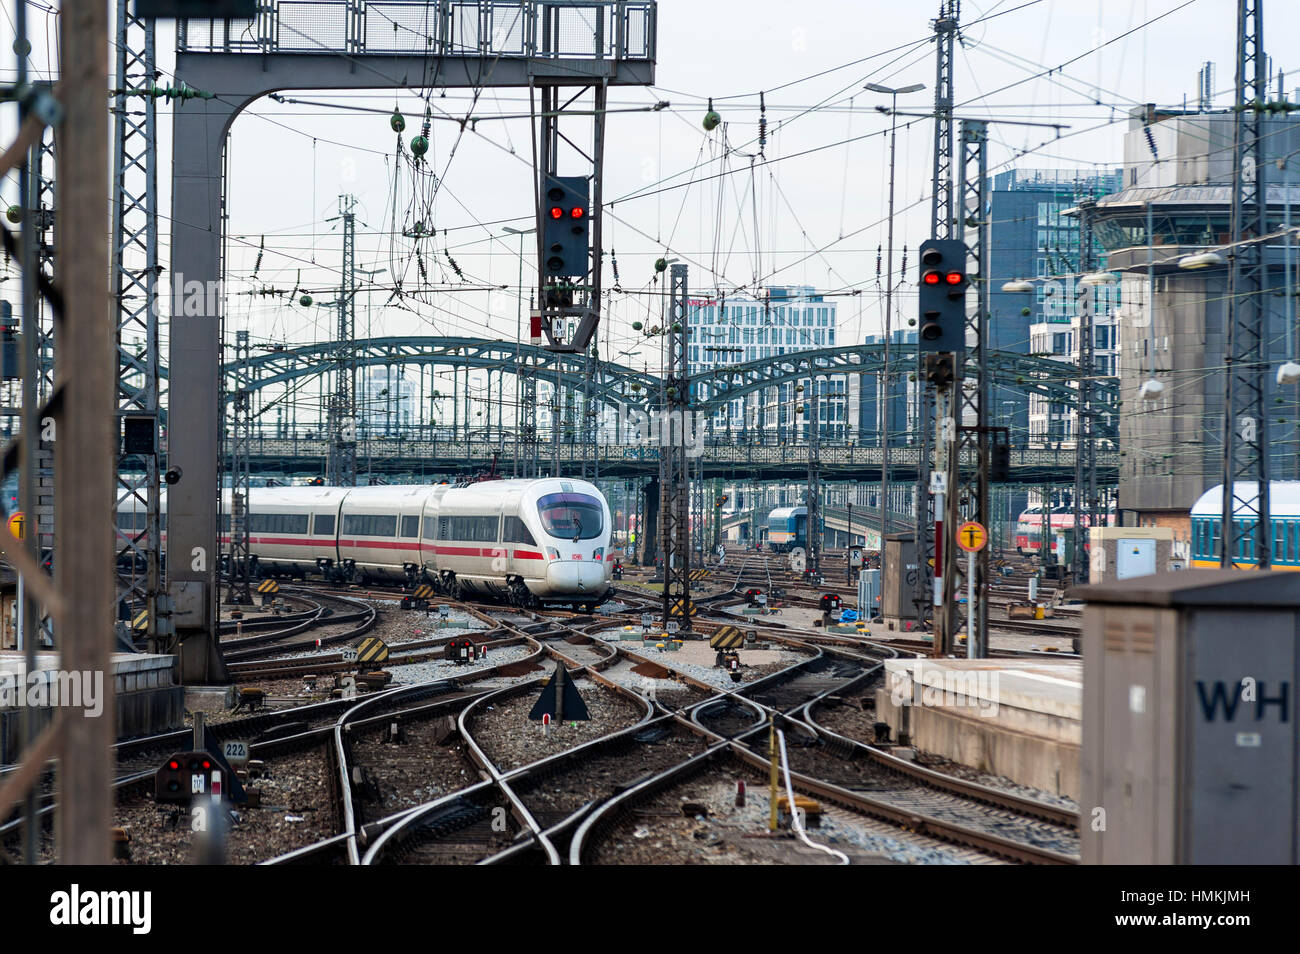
(884, 401)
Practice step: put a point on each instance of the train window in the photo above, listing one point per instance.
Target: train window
(324, 524)
(571, 516)
(430, 528)
(478, 529)
(514, 530)
(277, 523)
(370, 525)
(411, 526)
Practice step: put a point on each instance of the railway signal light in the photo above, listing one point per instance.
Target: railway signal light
(942, 296)
(1000, 463)
(940, 369)
(565, 231)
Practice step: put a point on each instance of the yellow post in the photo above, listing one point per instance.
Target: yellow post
(771, 750)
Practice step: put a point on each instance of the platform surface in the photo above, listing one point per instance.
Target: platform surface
(1050, 687)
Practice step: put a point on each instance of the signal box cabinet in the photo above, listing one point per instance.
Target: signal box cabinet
(1190, 738)
(899, 578)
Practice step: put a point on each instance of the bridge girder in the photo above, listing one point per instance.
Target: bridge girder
(612, 382)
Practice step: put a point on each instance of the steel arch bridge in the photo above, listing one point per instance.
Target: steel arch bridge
(621, 387)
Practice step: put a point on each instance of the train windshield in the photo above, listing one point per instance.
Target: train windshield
(571, 516)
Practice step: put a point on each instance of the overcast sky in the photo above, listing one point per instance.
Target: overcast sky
(820, 215)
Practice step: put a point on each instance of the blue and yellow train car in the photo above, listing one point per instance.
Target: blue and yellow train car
(1284, 514)
(787, 528)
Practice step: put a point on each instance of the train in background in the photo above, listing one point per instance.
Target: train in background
(1284, 514)
(787, 528)
(1029, 528)
(526, 542)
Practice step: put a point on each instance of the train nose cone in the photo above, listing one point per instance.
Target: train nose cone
(575, 576)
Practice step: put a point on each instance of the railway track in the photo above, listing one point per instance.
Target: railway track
(479, 806)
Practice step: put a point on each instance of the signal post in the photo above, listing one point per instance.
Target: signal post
(942, 342)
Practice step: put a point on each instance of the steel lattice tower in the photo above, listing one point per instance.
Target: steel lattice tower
(343, 403)
(1086, 504)
(1245, 516)
(239, 591)
(674, 467)
(941, 227)
(971, 493)
(135, 293)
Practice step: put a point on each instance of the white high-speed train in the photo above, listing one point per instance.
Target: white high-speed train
(528, 542)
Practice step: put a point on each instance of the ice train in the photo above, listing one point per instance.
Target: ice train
(527, 542)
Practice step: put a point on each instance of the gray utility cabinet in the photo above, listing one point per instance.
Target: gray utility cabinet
(899, 579)
(1190, 742)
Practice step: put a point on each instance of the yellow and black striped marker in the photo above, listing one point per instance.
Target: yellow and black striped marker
(372, 649)
(141, 621)
(728, 637)
(700, 574)
(677, 609)
(268, 586)
(423, 592)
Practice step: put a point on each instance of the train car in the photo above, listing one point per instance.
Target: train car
(530, 542)
(1029, 528)
(379, 531)
(292, 531)
(1284, 513)
(787, 528)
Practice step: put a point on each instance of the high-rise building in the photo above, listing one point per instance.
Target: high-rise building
(724, 332)
(1032, 239)
(1173, 324)
(898, 409)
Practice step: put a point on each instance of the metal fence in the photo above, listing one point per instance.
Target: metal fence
(558, 29)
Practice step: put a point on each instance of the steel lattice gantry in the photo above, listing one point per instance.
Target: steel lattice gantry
(135, 294)
(1247, 532)
(343, 45)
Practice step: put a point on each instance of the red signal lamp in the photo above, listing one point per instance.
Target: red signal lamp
(930, 278)
(953, 278)
(577, 212)
(557, 212)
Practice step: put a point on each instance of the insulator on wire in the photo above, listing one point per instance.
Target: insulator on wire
(1151, 143)
(878, 251)
(454, 267)
(902, 272)
(613, 260)
(419, 261)
(762, 125)
(260, 249)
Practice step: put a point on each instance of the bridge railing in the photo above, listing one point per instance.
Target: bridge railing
(560, 29)
(453, 451)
